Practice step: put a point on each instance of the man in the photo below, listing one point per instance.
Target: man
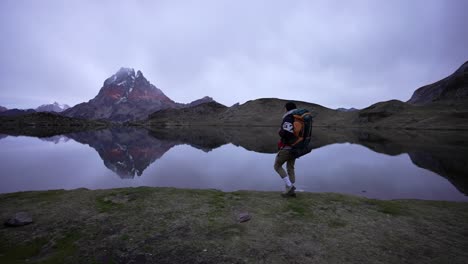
(284, 155)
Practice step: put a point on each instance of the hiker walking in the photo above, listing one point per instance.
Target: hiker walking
(295, 133)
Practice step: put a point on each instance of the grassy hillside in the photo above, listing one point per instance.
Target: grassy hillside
(442, 115)
(446, 115)
(260, 112)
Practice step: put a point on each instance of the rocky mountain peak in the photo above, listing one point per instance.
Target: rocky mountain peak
(121, 76)
(126, 86)
(2, 109)
(54, 107)
(124, 96)
(139, 74)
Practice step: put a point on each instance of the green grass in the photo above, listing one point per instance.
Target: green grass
(298, 207)
(37, 195)
(337, 223)
(217, 203)
(65, 248)
(388, 207)
(137, 192)
(175, 226)
(106, 206)
(19, 253)
(344, 199)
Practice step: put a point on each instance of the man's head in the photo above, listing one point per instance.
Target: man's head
(290, 106)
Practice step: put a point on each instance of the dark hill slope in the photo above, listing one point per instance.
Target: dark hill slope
(454, 87)
(202, 114)
(396, 114)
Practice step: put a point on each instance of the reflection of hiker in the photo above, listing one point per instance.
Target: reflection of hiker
(295, 133)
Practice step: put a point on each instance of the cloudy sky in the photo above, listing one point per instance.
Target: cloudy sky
(334, 53)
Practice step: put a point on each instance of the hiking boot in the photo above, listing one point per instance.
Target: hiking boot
(289, 192)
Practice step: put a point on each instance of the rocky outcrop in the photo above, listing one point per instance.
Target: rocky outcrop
(454, 87)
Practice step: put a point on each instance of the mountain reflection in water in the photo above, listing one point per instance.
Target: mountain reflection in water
(129, 151)
(383, 164)
(125, 151)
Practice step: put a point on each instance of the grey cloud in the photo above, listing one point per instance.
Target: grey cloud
(335, 53)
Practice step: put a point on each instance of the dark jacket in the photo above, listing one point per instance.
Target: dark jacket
(286, 131)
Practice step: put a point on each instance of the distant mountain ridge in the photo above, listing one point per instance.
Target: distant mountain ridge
(259, 112)
(17, 112)
(203, 100)
(127, 96)
(453, 87)
(55, 107)
(342, 109)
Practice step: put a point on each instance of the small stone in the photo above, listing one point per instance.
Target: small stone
(19, 219)
(244, 217)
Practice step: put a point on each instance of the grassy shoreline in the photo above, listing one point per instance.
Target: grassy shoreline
(168, 225)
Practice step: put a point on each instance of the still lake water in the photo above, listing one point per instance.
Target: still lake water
(388, 166)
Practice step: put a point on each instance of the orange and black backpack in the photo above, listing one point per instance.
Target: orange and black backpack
(303, 120)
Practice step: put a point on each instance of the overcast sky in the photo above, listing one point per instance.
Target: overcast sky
(334, 53)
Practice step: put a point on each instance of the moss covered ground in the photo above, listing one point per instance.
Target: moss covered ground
(166, 225)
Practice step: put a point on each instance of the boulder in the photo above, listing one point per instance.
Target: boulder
(19, 219)
(244, 217)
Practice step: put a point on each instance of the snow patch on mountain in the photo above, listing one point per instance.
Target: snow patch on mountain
(54, 107)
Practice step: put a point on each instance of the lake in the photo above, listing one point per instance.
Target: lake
(380, 164)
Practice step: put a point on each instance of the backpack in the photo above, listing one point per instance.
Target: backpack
(303, 131)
